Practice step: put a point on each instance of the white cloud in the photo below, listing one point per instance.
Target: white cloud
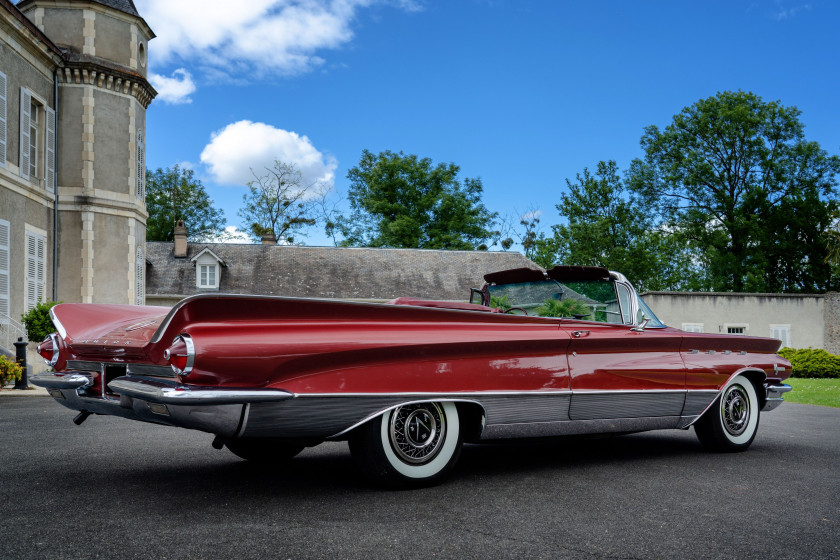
(174, 90)
(784, 11)
(531, 215)
(244, 145)
(232, 234)
(267, 36)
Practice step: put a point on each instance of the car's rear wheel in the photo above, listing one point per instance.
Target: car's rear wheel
(409, 446)
(263, 450)
(731, 423)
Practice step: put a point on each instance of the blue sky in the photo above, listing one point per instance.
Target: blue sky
(520, 93)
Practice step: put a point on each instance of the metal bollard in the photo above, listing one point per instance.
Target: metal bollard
(20, 358)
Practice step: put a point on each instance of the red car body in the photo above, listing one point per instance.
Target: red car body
(266, 373)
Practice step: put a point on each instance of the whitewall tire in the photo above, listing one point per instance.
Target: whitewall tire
(411, 445)
(731, 423)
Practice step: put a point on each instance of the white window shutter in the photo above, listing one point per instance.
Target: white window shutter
(5, 291)
(49, 164)
(25, 117)
(36, 272)
(3, 128)
(31, 274)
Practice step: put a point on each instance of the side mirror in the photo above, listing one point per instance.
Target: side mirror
(641, 326)
(476, 296)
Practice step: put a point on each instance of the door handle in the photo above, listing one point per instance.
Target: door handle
(578, 334)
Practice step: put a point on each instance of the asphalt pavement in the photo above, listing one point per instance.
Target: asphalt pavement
(114, 488)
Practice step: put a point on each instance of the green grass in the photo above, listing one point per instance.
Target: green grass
(823, 392)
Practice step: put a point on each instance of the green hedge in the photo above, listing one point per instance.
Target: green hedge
(37, 321)
(808, 362)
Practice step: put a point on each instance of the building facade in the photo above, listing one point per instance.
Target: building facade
(73, 100)
(798, 320)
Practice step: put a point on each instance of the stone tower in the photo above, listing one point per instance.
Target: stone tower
(103, 94)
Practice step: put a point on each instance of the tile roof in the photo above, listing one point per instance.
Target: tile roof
(329, 272)
(126, 6)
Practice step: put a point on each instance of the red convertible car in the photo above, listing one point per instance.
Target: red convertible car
(571, 350)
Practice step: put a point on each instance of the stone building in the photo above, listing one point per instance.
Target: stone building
(177, 270)
(798, 320)
(73, 100)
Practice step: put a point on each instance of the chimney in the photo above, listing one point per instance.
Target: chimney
(180, 239)
(268, 239)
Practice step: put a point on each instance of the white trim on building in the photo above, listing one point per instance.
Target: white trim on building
(3, 126)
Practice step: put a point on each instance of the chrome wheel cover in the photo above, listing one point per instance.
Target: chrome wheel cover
(417, 432)
(735, 410)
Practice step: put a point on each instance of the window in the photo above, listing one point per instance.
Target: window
(207, 269)
(140, 278)
(2, 119)
(4, 269)
(141, 166)
(207, 276)
(693, 327)
(36, 272)
(37, 140)
(781, 332)
(736, 328)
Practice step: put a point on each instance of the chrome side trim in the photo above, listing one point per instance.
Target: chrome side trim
(60, 381)
(84, 365)
(687, 421)
(167, 392)
(775, 395)
(579, 427)
(697, 401)
(431, 394)
(149, 369)
(331, 416)
(61, 330)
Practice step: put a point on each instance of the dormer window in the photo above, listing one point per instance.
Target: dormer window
(208, 270)
(207, 276)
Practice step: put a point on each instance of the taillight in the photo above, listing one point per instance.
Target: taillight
(181, 355)
(49, 349)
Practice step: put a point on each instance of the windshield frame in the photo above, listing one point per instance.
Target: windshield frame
(633, 311)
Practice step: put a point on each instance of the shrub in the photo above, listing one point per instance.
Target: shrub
(37, 321)
(10, 370)
(563, 308)
(809, 362)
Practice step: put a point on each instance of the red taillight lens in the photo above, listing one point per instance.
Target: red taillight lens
(181, 355)
(49, 349)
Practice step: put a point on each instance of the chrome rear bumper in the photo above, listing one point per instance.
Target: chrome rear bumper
(775, 395)
(160, 401)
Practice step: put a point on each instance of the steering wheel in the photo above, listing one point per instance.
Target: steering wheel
(517, 309)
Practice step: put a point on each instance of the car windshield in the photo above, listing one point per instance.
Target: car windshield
(588, 300)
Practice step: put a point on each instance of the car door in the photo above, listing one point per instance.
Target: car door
(618, 372)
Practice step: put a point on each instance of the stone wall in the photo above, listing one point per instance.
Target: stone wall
(803, 314)
(831, 322)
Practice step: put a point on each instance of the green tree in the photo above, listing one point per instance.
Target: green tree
(606, 225)
(736, 176)
(174, 194)
(279, 202)
(400, 200)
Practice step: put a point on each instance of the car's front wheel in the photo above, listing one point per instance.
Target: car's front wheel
(731, 423)
(263, 450)
(409, 446)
